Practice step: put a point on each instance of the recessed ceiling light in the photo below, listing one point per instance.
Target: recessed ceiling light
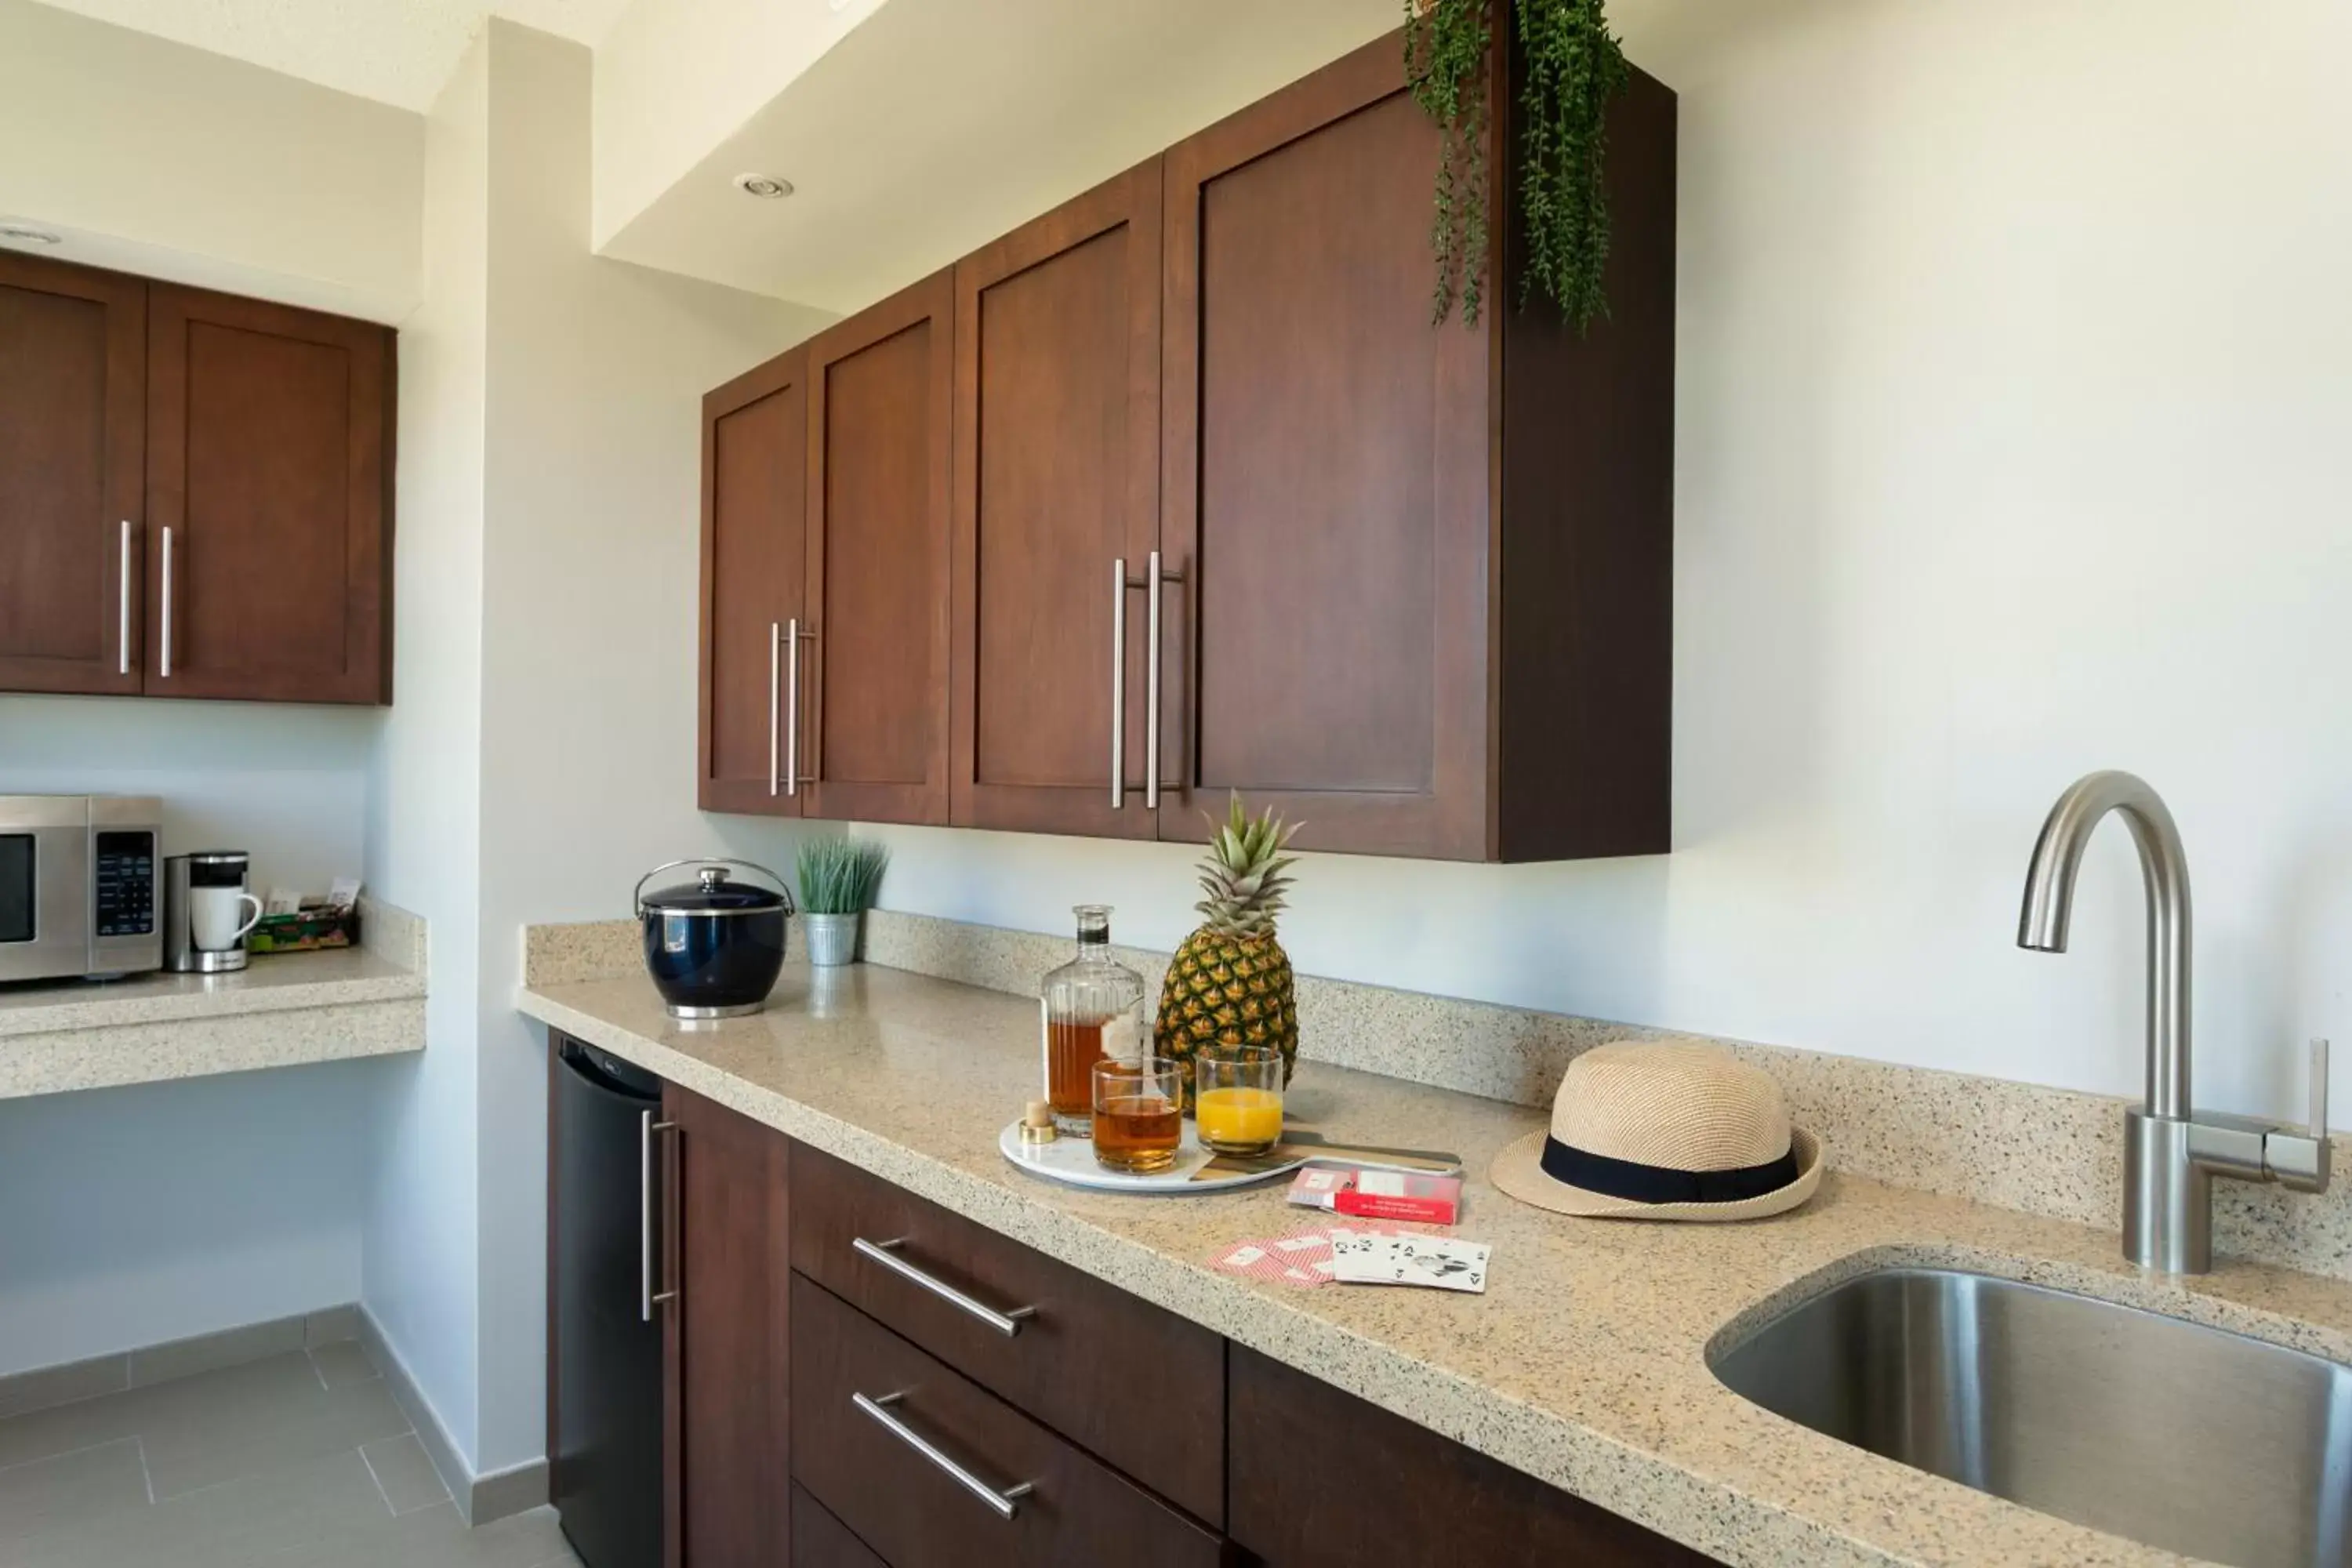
(769, 186)
(20, 234)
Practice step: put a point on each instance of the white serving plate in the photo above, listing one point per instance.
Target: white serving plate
(1072, 1163)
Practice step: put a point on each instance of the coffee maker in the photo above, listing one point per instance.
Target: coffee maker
(204, 914)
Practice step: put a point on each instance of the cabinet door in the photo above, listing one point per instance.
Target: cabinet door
(881, 405)
(268, 476)
(1324, 477)
(1395, 1495)
(821, 1541)
(754, 496)
(73, 359)
(726, 1345)
(1057, 480)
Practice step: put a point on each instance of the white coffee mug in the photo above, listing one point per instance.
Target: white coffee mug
(213, 915)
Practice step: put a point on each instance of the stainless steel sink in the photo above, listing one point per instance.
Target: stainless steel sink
(2186, 1439)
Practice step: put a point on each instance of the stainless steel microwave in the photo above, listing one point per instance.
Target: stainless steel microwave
(79, 890)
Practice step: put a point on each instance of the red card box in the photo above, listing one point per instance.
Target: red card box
(1378, 1194)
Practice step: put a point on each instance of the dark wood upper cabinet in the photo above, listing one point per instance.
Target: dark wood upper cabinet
(268, 501)
(1057, 480)
(1427, 595)
(754, 553)
(73, 370)
(1416, 583)
(880, 447)
(726, 1340)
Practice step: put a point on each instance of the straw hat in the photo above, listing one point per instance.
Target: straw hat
(1676, 1131)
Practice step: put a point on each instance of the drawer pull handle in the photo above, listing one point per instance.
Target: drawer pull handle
(1006, 1502)
(885, 1254)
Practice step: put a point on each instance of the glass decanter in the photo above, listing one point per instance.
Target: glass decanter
(1092, 1008)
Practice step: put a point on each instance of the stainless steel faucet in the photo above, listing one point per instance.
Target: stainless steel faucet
(2170, 1153)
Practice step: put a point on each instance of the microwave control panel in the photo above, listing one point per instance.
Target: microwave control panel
(126, 884)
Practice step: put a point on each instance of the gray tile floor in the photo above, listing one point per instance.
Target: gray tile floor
(298, 1460)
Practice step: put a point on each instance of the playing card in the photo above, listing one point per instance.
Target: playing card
(1439, 1261)
(1301, 1259)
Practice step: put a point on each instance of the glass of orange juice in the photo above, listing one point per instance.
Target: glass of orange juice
(1237, 1099)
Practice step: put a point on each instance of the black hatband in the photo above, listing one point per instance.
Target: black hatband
(1663, 1183)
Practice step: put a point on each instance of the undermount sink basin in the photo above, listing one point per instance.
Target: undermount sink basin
(2186, 1439)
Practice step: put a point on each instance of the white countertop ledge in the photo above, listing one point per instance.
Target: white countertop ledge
(283, 1010)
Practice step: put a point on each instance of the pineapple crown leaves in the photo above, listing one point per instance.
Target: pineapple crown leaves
(1244, 871)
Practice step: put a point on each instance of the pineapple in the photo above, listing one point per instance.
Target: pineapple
(1229, 984)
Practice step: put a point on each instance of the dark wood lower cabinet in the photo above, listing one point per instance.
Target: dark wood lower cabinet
(912, 1507)
(1078, 1337)
(771, 1458)
(727, 1389)
(1318, 1478)
(821, 1541)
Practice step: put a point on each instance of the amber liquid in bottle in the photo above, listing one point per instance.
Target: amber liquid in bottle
(1093, 1008)
(1072, 1048)
(1138, 1131)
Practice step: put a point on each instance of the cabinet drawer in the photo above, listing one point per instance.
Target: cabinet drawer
(1390, 1494)
(821, 1541)
(1083, 1354)
(908, 1506)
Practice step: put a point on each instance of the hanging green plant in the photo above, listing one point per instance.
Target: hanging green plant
(1572, 67)
(1445, 45)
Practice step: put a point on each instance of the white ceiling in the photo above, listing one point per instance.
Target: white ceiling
(394, 51)
(937, 125)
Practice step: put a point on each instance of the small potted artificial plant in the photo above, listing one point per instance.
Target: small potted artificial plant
(838, 878)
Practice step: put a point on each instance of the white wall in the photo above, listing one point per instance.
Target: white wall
(2012, 443)
(129, 1217)
(165, 160)
(287, 783)
(424, 833)
(592, 496)
(541, 755)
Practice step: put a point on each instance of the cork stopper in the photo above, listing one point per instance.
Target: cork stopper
(1038, 1123)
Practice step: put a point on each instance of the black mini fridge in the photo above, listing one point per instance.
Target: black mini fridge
(607, 1481)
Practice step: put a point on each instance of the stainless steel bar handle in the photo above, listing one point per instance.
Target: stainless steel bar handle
(166, 669)
(1151, 693)
(792, 707)
(647, 1295)
(1119, 683)
(1005, 1502)
(775, 697)
(1160, 576)
(885, 1254)
(123, 602)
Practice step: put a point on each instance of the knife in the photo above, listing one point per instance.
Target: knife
(1304, 1149)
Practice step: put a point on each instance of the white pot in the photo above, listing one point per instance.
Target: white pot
(832, 939)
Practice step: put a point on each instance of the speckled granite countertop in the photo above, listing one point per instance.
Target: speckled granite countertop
(1584, 1364)
(281, 1010)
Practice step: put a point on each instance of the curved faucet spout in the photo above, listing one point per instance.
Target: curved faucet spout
(2049, 906)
